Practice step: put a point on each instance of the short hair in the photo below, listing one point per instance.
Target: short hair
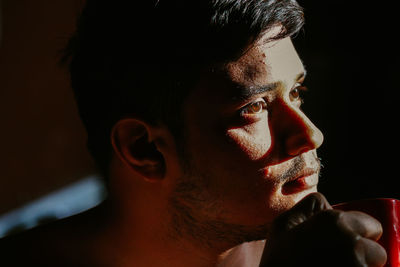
(141, 58)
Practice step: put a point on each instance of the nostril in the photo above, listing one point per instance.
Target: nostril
(296, 145)
(303, 141)
(295, 129)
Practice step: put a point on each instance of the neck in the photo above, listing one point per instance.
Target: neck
(124, 241)
(137, 230)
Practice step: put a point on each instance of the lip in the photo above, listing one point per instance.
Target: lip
(303, 173)
(304, 180)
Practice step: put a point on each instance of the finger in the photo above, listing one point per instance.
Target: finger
(370, 253)
(362, 224)
(304, 209)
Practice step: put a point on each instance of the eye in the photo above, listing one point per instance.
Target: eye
(254, 108)
(296, 93)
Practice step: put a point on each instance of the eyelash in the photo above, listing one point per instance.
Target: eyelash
(299, 90)
(260, 105)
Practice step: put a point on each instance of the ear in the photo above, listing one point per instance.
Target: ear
(135, 142)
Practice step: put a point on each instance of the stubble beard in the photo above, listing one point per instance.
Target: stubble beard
(197, 214)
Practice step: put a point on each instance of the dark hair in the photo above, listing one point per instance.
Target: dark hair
(142, 57)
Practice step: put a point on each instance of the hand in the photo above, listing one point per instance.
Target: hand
(313, 234)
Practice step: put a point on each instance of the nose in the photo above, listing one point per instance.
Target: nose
(295, 130)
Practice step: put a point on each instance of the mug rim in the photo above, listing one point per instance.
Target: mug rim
(395, 200)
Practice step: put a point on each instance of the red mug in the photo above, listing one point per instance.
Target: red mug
(387, 211)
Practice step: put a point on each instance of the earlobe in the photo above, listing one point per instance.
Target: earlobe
(133, 142)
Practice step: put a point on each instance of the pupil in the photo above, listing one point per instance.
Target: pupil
(256, 107)
(295, 93)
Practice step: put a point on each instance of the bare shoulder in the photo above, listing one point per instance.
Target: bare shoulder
(54, 244)
(27, 248)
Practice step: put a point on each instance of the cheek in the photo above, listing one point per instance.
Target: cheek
(254, 139)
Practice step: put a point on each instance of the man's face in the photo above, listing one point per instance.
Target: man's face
(246, 140)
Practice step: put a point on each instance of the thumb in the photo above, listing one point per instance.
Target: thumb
(303, 210)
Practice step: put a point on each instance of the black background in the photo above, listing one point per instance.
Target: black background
(351, 54)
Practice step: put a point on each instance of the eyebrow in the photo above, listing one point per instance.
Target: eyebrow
(245, 93)
(301, 75)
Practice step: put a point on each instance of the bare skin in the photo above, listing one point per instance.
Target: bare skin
(249, 157)
(316, 235)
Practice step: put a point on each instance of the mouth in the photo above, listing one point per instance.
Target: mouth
(304, 180)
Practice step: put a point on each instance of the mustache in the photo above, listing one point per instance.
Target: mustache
(299, 166)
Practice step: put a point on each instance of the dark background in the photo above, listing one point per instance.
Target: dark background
(42, 141)
(350, 52)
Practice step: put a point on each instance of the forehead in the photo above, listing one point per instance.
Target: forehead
(266, 63)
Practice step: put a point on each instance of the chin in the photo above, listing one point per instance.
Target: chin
(302, 194)
(284, 201)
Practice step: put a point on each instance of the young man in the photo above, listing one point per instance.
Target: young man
(193, 113)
